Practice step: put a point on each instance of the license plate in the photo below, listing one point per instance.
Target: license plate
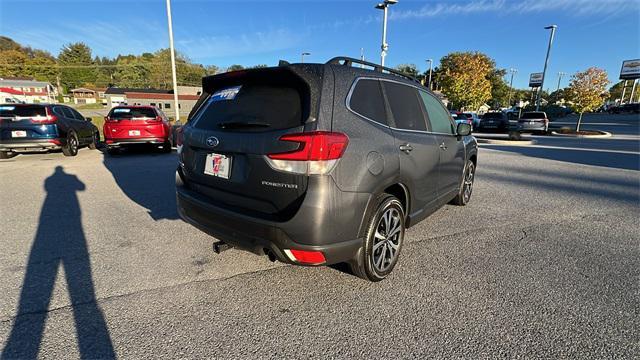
(18, 133)
(531, 122)
(134, 132)
(218, 165)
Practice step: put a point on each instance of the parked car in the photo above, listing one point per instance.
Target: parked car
(626, 108)
(475, 119)
(136, 125)
(460, 118)
(43, 127)
(494, 121)
(533, 122)
(266, 165)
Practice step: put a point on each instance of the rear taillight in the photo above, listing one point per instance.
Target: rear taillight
(317, 152)
(306, 257)
(109, 120)
(47, 119)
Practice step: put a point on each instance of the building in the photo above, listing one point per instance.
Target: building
(27, 91)
(162, 99)
(89, 96)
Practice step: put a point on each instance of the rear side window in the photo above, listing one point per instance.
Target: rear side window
(22, 111)
(438, 115)
(367, 100)
(251, 107)
(405, 107)
(131, 113)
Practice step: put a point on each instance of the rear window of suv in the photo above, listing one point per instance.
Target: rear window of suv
(22, 111)
(132, 113)
(493, 116)
(251, 107)
(533, 115)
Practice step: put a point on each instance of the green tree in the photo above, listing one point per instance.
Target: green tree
(211, 70)
(8, 44)
(499, 89)
(587, 91)
(13, 63)
(615, 92)
(76, 65)
(409, 69)
(465, 79)
(235, 67)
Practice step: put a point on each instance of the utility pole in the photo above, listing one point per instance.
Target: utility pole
(546, 62)
(303, 55)
(173, 63)
(624, 90)
(362, 57)
(513, 72)
(633, 90)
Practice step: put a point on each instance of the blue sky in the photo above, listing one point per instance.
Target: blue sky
(590, 32)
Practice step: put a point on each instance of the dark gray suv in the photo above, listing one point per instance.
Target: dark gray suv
(317, 164)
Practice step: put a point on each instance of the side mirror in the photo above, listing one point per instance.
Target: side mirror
(89, 119)
(463, 129)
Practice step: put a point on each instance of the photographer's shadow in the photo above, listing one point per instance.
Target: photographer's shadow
(60, 240)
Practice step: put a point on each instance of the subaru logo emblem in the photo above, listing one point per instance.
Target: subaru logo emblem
(213, 141)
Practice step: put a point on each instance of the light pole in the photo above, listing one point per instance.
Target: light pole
(173, 63)
(430, 61)
(546, 62)
(303, 55)
(384, 6)
(513, 72)
(560, 76)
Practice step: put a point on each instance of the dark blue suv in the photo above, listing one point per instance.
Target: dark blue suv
(41, 127)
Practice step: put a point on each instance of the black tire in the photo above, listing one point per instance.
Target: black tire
(466, 187)
(166, 147)
(380, 251)
(95, 141)
(7, 154)
(70, 148)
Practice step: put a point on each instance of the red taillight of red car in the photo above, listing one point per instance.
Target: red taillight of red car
(306, 257)
(110, 120)
(314, 146)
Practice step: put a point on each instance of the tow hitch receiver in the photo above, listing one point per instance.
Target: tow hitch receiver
(220, 246)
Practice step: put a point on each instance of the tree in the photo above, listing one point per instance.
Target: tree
(409, 69)
(13, 63)
(499, 89)
(75, 65)
(465, 78)
(587, 90)
(615, 92)
(235, 67)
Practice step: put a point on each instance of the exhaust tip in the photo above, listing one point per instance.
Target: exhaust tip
(270, 255)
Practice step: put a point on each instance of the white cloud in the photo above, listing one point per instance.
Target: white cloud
(568, 7)
(217, 46)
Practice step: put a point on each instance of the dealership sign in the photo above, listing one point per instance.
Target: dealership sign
(535, 79)
(630, 70)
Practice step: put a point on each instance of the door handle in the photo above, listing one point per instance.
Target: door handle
(443, 146)
(406, 148)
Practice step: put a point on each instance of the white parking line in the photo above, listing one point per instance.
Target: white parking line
(570, 148)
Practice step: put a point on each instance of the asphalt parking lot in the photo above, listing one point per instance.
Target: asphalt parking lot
(544, 262)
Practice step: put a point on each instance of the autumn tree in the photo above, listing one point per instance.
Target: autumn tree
(76, 65)
(587, 90)
(465, 78)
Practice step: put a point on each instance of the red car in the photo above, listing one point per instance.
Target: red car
(135, 125)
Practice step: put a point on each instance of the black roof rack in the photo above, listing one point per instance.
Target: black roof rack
(347, 61)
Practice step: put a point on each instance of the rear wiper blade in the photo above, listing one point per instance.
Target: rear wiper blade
(242, 124)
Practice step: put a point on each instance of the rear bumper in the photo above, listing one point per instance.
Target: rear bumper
(311, 229)
(135, 141)
(536, 126)
(31, 144)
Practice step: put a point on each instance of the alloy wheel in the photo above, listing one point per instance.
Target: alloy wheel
(387, 237)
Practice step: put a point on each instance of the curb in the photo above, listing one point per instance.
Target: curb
(603, 134)
(505, 142)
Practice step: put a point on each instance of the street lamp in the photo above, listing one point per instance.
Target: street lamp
(173, 63)
(513, 72)
(560, 76)
(546, 62)
(303, 55)
(430, 61)
(384, 6)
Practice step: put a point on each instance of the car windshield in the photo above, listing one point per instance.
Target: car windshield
(533, 115)
(22, 111)
(125, 113)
